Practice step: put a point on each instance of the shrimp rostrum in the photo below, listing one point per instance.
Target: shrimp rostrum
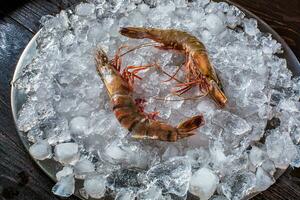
(200, 71)
(130, 117)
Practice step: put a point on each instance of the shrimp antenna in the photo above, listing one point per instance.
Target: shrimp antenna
(172, 77)
(148, 44)
(117, 61)
(183, 99)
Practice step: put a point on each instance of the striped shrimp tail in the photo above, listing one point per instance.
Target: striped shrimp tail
(186, 127)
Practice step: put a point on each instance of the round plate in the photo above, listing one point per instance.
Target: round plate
(50, 167)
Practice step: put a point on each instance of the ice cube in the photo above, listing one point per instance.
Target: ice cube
(67, 40)
(126, 178)
(206, 36)
(35, 134)
(95, 186)
(85, 9)
(203, 183)
(83, 167)
(105, 123)
(66, 152)
(203, 2)
(296, 160)
(212, 7)
(27, 117)
(152, 105)
(166, 7)
(263, 180)
(232, 124)
(217, 154)
(129, 154)
(269, 167)
(235, 11)
(206, 107)
(83, 108)
(125, 194)
(238, 185)
(59, 137)
(232, 21)
(280, 148)
(143, 8)
(198, 157)
(258, 98)
(115, 152)
(171, 151)
(160, 17)
(79, 125)
(66, 105)
(180, 3)
(152, 192)
(270, 46)
(257, 156)
(137, 19)
(295, 135)
(65, 187)
(288, 105)
(174, 101)
(199, 139)
(250, 26)
(60, 22)
(241, 80)
(56, 130)
(41, 150)
(96, 32)
(66, 171)
(224, 7)
(214, 24)
(172, 176)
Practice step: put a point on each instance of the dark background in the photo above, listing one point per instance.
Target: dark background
(20, 178)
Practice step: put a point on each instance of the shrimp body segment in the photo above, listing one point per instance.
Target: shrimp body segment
(128, 114)
(197, 57)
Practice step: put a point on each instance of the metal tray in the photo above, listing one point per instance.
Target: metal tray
(50, 167)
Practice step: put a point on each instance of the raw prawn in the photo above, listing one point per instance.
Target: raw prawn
(199, 68)
(128, 113)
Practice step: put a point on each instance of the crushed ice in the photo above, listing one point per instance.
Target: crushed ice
(232, 156)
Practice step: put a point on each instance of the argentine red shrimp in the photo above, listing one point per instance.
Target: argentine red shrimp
(200, 71)
(128, 113)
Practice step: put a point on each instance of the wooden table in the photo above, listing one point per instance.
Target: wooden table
(20, 178)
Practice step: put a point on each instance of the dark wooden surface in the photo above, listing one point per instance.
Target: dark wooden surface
(20, 178)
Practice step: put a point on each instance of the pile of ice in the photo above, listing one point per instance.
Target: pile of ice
(68, 117)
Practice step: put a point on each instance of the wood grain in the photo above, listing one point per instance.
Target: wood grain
(20, 178)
